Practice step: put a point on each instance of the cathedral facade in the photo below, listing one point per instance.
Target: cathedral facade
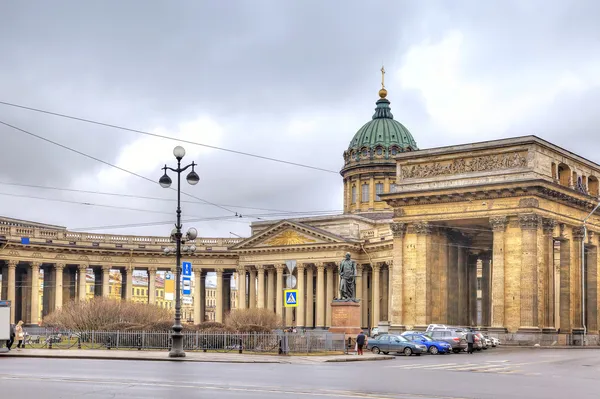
(488, 234)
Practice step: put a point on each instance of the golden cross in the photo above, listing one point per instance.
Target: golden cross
(382, 77)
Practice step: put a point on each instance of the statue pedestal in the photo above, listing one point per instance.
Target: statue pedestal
(345, 318)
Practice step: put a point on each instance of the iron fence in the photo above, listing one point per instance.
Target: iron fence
(273, 342)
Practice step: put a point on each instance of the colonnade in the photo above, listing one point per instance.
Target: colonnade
(527, 279)
(317, 284)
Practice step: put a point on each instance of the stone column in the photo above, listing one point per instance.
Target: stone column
(261, 285)
(443, 275)
(105, 281)
(241, 295)
(300, 314)
(35, 292)
(499, 228)
(271, 289)
(129, 283)
(549, 277)
(565, 282)
(422, 275)
(252, 288)
(385, 279)
(591, 298)
(576, 261)
(329, 294)
(279, 289)
(485, 289)
(529, 227)
(12, 284)
(198, 296)
(463, 285)
(365, 296)
(359, 289)
(310, 291)
(376, 295)
(320, 295)
(59, 269)
(453, 312)
(152, 285)
(82, 280)
(472, 289)
(219, 305)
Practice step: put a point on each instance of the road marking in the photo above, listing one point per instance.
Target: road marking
(273, 391)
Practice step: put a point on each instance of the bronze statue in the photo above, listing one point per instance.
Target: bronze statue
(347, 280)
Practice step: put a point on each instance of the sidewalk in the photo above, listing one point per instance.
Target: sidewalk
(190, 356)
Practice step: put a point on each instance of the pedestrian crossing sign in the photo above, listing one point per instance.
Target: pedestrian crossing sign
(290, 298)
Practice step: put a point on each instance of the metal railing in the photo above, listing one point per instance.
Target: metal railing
(271, 342)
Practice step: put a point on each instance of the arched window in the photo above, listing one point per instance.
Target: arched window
(354, 194)
(593, 186)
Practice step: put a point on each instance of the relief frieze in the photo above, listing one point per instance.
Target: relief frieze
(458, 166)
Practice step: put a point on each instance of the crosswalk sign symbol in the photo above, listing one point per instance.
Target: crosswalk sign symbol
(291, 298)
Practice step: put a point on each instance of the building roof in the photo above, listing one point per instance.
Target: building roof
(383, 131)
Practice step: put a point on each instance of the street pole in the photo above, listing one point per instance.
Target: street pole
(165, 181)
(177, 346)
(583, 318)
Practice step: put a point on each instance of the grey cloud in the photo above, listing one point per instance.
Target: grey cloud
(253, 67)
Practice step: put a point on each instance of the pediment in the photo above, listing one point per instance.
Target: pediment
(286, 233)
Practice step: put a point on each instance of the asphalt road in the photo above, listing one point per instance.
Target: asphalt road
(497, 373)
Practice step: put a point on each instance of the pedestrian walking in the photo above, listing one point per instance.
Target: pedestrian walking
(470, 341)
(361, 340)
(11, 341)
(20, 335)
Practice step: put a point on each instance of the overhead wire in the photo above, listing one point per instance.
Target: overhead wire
(214, 218)
(141, 196)
(108, 163)
(166, 137)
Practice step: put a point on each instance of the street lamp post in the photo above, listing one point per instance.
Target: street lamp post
(165, 181)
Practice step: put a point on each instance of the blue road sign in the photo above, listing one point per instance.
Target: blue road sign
(187, 269)
(25, 240)
(187, 286)
(291, 298)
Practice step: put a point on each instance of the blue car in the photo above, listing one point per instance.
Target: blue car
(433, 347)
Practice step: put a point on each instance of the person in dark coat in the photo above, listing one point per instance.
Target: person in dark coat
(361, 340)
(11, 341)
(470, 341)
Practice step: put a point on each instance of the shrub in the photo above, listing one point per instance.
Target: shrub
(109, 314)
(252, 320)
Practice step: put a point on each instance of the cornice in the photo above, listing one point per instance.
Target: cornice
(539, 188)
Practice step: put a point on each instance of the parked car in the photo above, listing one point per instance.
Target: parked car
(495, 341)
(433, 347)
(454, 338)
(395, 343)
(374, 332)
(481, 341)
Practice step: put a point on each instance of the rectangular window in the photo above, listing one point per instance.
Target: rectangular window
(378, 190)
(354, 194)
(365, 193)
(393, 188)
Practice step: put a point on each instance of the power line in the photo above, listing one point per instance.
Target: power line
(167, 137)
(84, 203)
(138, 196)
(214, 218)
(108, 163)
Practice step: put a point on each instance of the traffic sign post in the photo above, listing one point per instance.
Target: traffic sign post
(187, 286)
(290, 298)
(186, 269)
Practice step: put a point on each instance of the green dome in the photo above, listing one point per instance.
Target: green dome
(383, 133)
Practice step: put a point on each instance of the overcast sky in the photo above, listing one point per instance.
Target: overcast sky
(292, 80)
